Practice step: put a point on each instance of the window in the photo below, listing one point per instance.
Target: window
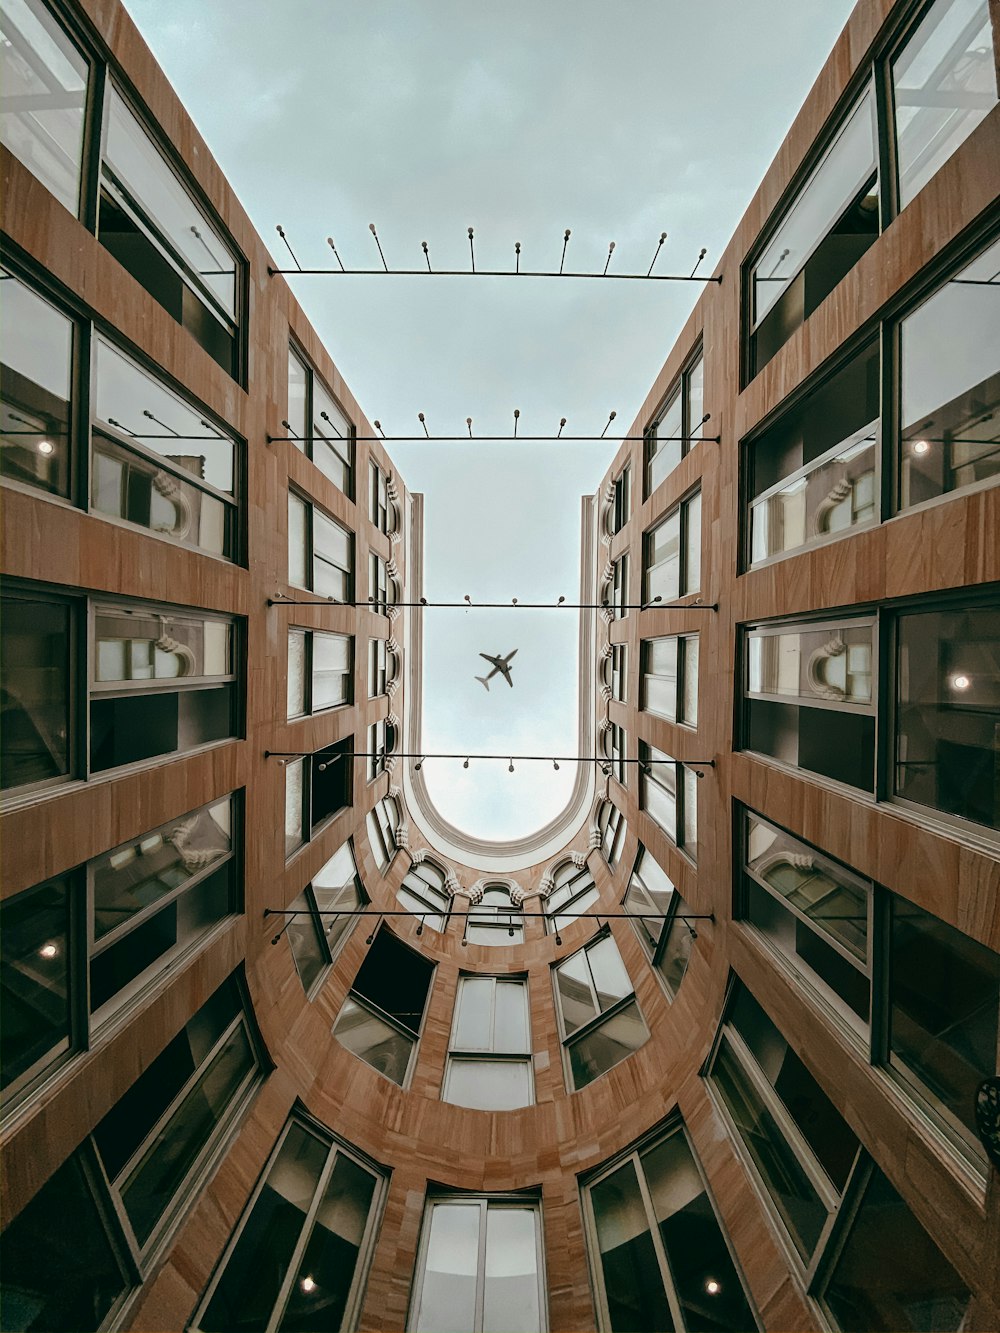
(36, 383)
(950, 405)
(944, 83)
(126, 1186)
(299, 1256)
(479, 1266)
(656, 908)
(812, 475)
(822, 233)
(130, 914)
(175, 474)
(679, 425)
(600, 1021)
(151, 224)
(669, 681)
(380, 1019)
(378, 655)
(320, 671)
(423, 892)
(668, 792)
(619, 586)
(810, 698)
(378, 583)
(381, 742)
(378, 497)
(573, 892)
(623, 499)
(495, 920)
(614, 830)
(489, 1058)
(45, 81)
(162, 682)
(614, 749)
(320, 552)
(317, 425)
(616, 671)
(661, 1258)
(317, 787)
(672, 554)
(315, 940)
(39, 636)
(382, 822)
(872, 1266)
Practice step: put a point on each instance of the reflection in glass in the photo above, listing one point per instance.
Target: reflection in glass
(145, 645)
(488, 1085)
(666, 940)
(298, 543)
(944, 84)
(377, 1042)
(336, 888)
(34, 969)
(36, 690)
(36, 351)
(296, 677)
(607, 1044)
(451, 1263)
(44, 80)
(950, 378)
(511, 1295)
(633, 1282)
(294, 804)
(495, 921)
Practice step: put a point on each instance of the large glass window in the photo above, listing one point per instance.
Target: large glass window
(330, 901)
(320, 671)
(320, 552)
(656, 908)
(317, 425)
(317, 787)
(613, 828)
(495, 920)
(600, 1021)
(489, 1057)
(810, 697)
(44, 80)
(614, 745)
(378, 497)
(944, 83)
(36, 387)
(479, 1267)
(381, 1018)
(573, 892)
(38, 674)
(668, 792)
(668, 683)
(672, 553)
(156, 461)
(824, 231)
(378, 583)
(299, 1256)
(162, 682)
(678, 426)
(950, 385)
(150, 222)
(812, 475)
(378, 666)
(619, 587)
(382, 821)
(423, 892)
(660, 1255)
(34, 979)
(622, 499)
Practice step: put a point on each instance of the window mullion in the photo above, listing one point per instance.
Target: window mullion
(481, 1266)
(295, 1260)
(666, 1277)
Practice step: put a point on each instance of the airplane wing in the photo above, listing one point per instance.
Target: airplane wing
(510, 654)
(486, 657)
(502, 666)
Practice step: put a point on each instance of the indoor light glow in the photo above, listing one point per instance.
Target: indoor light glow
(308, 1284)
(960, 682)
(48, 951)
(46, 447)
(921, 447)
(712, 1287)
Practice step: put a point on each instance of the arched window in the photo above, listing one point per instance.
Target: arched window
(495, 919)
(574, 892)
(423, 892)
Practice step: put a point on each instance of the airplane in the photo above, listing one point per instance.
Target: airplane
(501, 664)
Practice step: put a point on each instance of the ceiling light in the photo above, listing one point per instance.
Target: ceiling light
(712, 1287)
(308, 1284)
(46, 447)
(960, 681)
(921, 447)
(48, 950)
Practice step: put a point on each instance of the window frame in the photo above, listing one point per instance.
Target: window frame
(556, 919)
(622, 503)
(378, 497)
(312, 829)
(311, 556)
(656, 953)
(327, 954)
(441, 910)
(379, 817)
(685, 545)
(618, 598)
(681, 796)
(309, 635)
(495, 918)
(567, 1040)
(488, 1054)
(614, 830)
(680, 680)
(680, 390)
(307, 443)
(378, 584)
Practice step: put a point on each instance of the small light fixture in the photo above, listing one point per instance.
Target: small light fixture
(510, 768)
(555, 765)
(712, 1286)
(960, 681)
(466, 764)
(308, 1284)
(419, 764)
(921, 447)
(49, 950)
(46, 447)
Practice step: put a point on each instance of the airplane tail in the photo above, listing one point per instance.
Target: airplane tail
(484, 680)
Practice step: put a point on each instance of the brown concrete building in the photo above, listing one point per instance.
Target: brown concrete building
(753, 1107)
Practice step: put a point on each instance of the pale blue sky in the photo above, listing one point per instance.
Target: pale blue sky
(520, 119)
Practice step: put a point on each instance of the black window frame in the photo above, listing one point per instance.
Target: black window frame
(307, 443)
(680, 390)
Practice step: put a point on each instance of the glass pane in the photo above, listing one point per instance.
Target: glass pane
(34, 744)
(294, 795)
(948, 715)
(488, 1085)
(34, 1014)
(318, 1298)
(945, 997)
(663, 566)
(705, 1278)
(297, 386)
(331, 670)
(695, 379)
(331, 541)
(510, 1021)
(159, 1175)
(61, 1274)
(633, 1283)
(676, 951)
(335, 888)
(950, 375)
(689, 674)
(475, 1002)
(303, 939)
(576, 996)
(296, 673)
(833, 664)
(252, 1276)
(36, 348)
(297, 542)
(137, 164)
(44, 80)
(376, 1042)
(610, 978)
(139, 407)
(614, 1039)
(665, 448)
(690, 812)
(451, 1262)
(158, 645)
(511, 1298)
(692, 544)
(891, 1275)
(944, 84)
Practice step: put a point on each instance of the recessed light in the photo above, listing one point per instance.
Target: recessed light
(960, 682)
(712, 1287)
(48, 950)
(921, 447)
(308, 1284)
(46, 447)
